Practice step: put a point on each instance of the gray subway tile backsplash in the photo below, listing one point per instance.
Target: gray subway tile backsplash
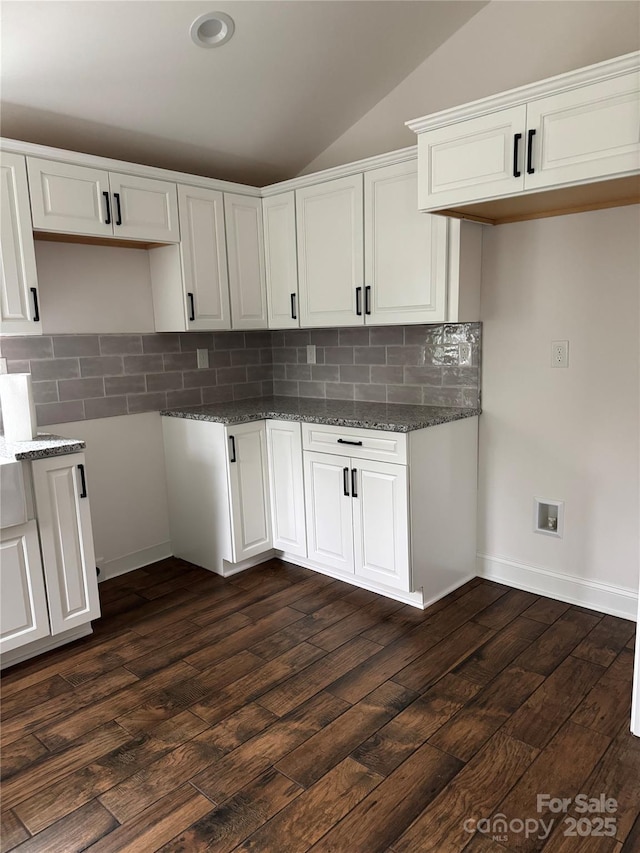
(95, 376)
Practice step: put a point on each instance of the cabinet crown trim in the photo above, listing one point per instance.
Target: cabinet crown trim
(513, 97)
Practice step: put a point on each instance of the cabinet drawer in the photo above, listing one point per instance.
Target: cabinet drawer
(355, 442)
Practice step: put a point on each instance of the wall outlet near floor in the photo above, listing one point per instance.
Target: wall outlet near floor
(311, 353)
(203, 357)
(559, 353)
(464, 354)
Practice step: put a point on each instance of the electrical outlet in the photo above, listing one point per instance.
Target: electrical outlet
(559, 353)
(464, 354)
(203, 357)
(311, 353)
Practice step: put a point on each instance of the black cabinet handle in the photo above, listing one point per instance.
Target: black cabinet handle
(232, 442)
(530, 169)
(359, 301)
(108, 206)
(294, 313)
(36, 309)
(354, 443)
(83, 482)
(367, 299)
(516, 143)
(354, 482)
(192, 307)
(345, 481)
(118, 210)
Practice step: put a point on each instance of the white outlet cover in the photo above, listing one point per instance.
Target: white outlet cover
(311, 353)
(203, 357)
(559, 353)
(464, 354)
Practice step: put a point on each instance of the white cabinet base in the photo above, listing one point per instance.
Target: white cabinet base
(46, 644)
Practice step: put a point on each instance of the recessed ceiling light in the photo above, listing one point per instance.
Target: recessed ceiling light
(212, 29)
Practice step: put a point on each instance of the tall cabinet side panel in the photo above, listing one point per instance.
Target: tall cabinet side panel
(199, 513)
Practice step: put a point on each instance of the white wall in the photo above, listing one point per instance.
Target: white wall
(507, 44)
(93, 288)
(127, 489)
(573, 434)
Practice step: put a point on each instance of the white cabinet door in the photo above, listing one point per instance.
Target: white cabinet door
(204, 259)
(281, 260)
(22, 598)
(586, 133)
(18, 277)
(249, 490)
(328, 510)
(71, 199)
(245, 248)
(405, 251)
(144, 209)
(330, 252)
(474, 159)
(381, 523)
(284, 442)
(64, 519)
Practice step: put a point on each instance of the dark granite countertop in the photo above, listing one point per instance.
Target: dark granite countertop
(391, 417)
(42, 446)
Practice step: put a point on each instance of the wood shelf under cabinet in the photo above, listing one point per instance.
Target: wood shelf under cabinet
(89, 240)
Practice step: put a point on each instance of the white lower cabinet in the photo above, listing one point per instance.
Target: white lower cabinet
(329, 510)
(218, 489)
(24, 616)
(286, 484)
(68, 558)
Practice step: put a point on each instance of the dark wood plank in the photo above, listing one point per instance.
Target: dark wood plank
(77, 788)
(32, 696)
(550, 649)
(546, 610)
(252, 758)
(158, 824)
(303, 822)
(607, 706)
(540, 717)
(632, 841)
(400, 737)
(12, 832)
(500, 650)
(20, 754)
(379, 818)
(73, 833)
(603, 644)
(321, 752)
(229, 824)
(505, 609)
(474, 793)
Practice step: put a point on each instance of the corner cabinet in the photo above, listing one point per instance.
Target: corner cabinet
(578, 128)
(218, 477)
(245, 249)
(68, 558)
(19, 304)
(79, 200)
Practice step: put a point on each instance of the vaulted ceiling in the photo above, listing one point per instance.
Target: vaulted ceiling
(124, 79)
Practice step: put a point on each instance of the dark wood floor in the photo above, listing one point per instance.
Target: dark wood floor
(283, 711)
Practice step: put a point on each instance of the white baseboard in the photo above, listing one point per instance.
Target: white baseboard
(137, 560)
(594, 595)
(231, 569)
(46, 644)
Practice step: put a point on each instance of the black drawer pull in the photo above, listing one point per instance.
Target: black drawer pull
(232, 441)
(359, 301)
(36, 309)
(345, 481)
(367, 299)
(530, 169)
(192, 308)
(294, 313)
(83, 482)
(354, 443)
(118, 210)
(354, 482)
(108, 206)
(516, 140)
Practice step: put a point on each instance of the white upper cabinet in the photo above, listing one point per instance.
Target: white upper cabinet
(585, 133)
(281, 261)
(19, 307)
(72, 199)
(68, 557)
(245, 249)
(405, 251)
(144, 209)
(477, 158)
(79, 200)
(330, 252)
(582, 127)
(204, 259)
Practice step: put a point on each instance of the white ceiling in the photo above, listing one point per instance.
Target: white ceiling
(124, 80)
